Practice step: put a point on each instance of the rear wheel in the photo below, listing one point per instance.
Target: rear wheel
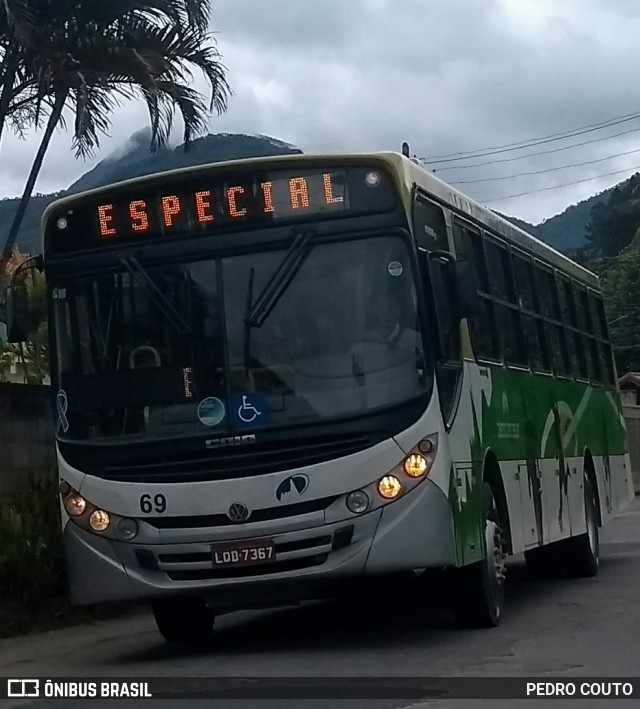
(478, 591)
(582, 553)
(576, 556)
(183, 621)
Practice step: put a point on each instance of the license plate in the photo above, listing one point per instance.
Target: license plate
(246, 552)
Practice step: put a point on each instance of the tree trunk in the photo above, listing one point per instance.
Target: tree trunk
(54, 118)
(6, 90)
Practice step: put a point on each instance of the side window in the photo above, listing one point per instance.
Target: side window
(469, 247)
(506, 307)
(585, 325)
(603, 345)
(551, 311)
(591, 323)
(499, 271)
(570, 320)
(532, 324)
(429, 225)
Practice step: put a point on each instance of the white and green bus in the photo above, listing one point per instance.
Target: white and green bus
(275, 376)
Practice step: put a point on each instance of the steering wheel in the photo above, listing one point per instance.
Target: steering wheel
(144, 348)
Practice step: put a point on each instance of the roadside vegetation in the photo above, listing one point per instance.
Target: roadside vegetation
(33, 590)
(71, 63)
(31, 566)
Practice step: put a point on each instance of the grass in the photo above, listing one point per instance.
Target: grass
(33, 587)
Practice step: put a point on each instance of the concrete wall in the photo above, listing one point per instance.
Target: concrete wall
(26, 433)
(632, 419)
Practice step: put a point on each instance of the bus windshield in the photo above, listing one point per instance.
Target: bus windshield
(158, 351)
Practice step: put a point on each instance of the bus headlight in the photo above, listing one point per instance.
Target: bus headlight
(389, 487)
(94, 519)
(415, 465)
(75, 505)
(99, 520)
(358, 501)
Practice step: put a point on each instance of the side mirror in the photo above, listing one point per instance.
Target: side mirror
(459, 280)
(18, 313)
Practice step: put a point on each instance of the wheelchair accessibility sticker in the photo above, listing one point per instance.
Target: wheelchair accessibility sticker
(249, 409)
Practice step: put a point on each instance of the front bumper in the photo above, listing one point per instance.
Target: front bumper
(414, 532)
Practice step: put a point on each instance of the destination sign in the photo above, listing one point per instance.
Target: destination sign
(200, 204)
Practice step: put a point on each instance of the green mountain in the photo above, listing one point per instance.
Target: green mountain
(567, 231)
(134, 159)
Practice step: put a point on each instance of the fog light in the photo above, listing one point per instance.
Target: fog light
(64, 488)
(75, 505)
(358, 501)
(415, 465)
(389, 487)
(127, 528)
(99, 520)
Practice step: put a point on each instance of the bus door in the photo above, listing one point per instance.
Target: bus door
(431, 235)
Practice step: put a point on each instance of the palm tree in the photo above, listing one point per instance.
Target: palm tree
(125, 49)
(16, 25)
(21, 23)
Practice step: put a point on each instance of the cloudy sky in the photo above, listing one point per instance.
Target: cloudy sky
(448, 76)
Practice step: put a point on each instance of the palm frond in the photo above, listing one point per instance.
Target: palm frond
(17, 17)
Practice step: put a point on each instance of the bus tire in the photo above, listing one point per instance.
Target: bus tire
(183, 621)
(478, 592)
(582, 553)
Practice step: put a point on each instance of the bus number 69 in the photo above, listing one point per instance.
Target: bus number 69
(157, 503)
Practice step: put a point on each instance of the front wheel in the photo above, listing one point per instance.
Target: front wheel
(183, 621)
(478, 591)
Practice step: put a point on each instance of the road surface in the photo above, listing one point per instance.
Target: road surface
(574, 628)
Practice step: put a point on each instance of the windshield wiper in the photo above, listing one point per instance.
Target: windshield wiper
(144, 280)
(278, 282)
(277, 285)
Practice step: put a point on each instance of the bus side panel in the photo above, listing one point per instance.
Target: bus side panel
(472, 440)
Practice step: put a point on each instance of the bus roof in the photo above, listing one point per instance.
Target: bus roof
(417, 173)
(408, 170)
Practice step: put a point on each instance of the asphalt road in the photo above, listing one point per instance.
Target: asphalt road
(572, 628)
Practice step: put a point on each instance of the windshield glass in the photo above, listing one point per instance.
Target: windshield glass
(178, 350)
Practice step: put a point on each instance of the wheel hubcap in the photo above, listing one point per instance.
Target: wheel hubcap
(591, 529)
(495, 555)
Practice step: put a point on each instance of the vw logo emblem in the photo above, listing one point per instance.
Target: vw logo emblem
(238, 512)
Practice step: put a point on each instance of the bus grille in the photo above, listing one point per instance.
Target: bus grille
(224, 464)
(221, 520)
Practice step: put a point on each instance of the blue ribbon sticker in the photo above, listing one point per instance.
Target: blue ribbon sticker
(62, 404)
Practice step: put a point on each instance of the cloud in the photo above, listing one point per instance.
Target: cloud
(445, 76)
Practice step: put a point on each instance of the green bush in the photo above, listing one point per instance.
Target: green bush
(31, 561)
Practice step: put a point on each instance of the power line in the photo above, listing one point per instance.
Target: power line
(550, 169)
(540, 152)
(531, 143)
(557, 187)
